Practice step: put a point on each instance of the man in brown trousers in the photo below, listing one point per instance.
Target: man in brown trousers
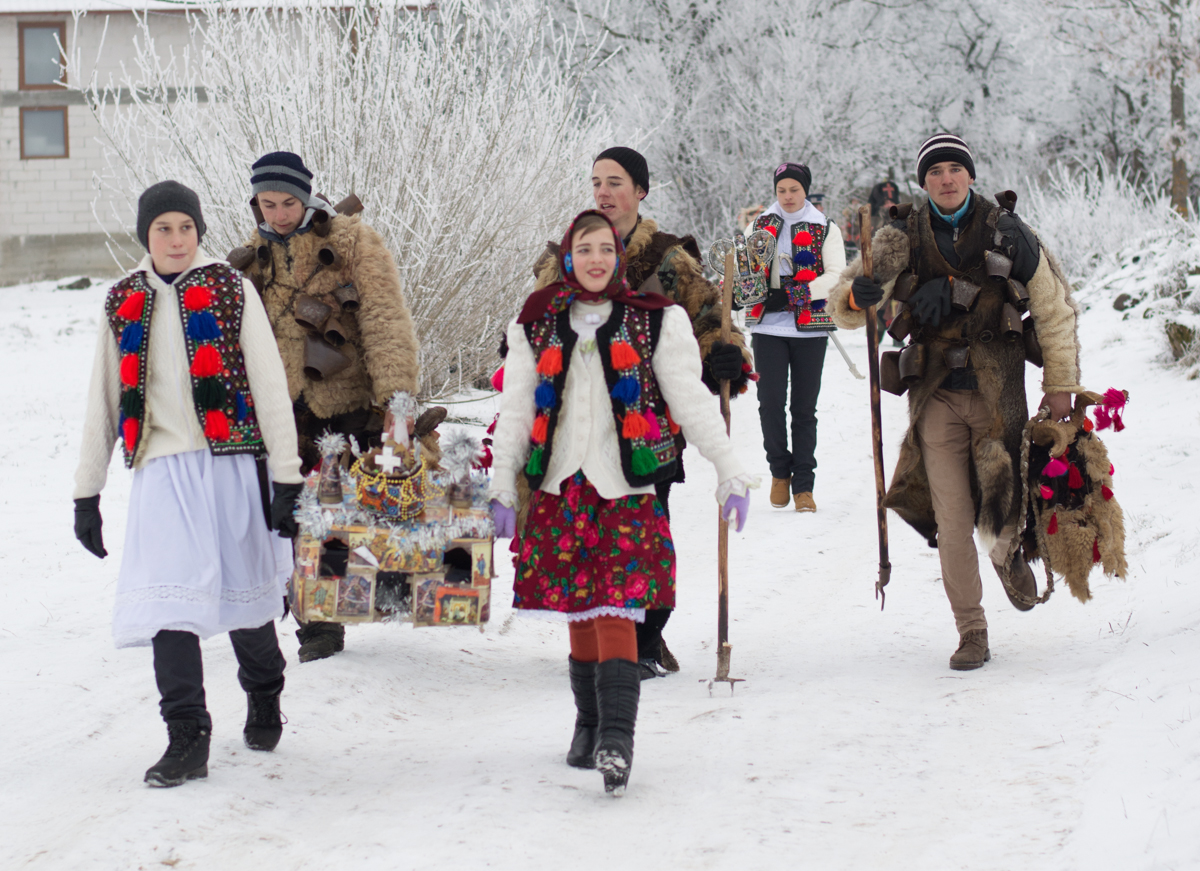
(964, 269)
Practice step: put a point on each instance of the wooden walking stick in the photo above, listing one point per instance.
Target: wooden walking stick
(885, 566)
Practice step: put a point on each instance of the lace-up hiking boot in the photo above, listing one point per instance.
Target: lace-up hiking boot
(320, 640)
(618, 690)
(583, 742)
(972, 650)
(264, 723)
(781, 492)
(1020, 576)
(804, 502)
(186, 757)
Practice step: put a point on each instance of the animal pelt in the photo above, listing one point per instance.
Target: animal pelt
(889, 257)
(380, 340)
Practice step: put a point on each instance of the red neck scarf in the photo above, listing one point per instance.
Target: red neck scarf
(558, 296)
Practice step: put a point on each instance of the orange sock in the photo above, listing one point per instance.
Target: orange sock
(584, 647)
(616, 638)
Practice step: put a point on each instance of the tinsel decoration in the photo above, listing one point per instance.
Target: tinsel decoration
(460, 450)
(402, 405)
(331, 444)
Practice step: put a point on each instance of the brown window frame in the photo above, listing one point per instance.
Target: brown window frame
(62, 41)
(66, 133)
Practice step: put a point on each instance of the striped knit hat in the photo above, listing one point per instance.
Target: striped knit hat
(281, 171)
(943, 147)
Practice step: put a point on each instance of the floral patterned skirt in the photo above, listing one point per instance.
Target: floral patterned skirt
(581, 555)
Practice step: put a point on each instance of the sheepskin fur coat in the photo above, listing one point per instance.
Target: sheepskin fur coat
(669, 265)
(997, 482)
(380, 340)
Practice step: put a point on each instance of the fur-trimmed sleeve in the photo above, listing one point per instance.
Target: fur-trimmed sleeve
(889, 252)
(683, 281)
(389, 340)
(1055, 315)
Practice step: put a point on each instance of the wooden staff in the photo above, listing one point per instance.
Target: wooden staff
(885, 566)
(723, 646)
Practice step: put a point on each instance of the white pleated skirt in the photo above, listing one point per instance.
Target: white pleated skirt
(198, 554)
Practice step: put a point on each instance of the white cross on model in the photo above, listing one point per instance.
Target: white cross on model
(387, 460)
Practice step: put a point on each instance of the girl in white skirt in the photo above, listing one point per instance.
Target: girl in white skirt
(188, 376)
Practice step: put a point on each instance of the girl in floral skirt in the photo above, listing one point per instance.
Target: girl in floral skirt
(599, 380)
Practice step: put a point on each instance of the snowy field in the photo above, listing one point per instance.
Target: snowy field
(850, 745)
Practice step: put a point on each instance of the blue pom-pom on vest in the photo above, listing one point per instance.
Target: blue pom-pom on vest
(131, 338)
(627, 390)
(202, 327)
(545, 395)
(805, 258)
(242, 408)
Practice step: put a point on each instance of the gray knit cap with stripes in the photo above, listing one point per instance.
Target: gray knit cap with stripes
(942, 147)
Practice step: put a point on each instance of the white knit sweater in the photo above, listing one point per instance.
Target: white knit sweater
(171, 425)
(586, 435)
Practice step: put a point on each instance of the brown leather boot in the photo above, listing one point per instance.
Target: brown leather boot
(804, 502)
(781, 492)
(972, 650)
(1020, 575)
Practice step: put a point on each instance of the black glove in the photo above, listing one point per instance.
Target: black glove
(867, 291)
(88, 524)
(931, 302)
(724, 361)
(282, 506)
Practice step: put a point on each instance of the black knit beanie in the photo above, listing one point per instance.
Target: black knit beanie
(167, 196)
(631, 161)
(940, 148)
(797, 171)
(281, 171)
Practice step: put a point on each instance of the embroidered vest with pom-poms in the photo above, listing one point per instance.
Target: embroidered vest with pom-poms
(625, 343)
(808, 264)
(210, 308)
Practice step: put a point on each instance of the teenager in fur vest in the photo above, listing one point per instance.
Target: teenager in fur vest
(187, 375)
(661, 263)
(358, 348)
(964, 269)
(790, 330)
(598, 381)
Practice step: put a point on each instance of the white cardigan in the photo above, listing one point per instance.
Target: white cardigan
(586, 435)
(171, 425)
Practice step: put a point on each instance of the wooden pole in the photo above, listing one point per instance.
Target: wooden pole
(885, 566)
(723, 646)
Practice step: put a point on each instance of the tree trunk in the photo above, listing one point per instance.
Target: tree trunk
(1178, 136)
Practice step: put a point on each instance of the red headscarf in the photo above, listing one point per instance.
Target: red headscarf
(557, 296)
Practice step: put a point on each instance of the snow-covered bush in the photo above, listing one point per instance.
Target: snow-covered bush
(459, 124)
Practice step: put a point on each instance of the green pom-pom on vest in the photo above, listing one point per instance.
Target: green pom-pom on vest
(131, 404)
(644, 462)
(209, 393)
(534, 466)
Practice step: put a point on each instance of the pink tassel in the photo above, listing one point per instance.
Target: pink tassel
(655, 432)
(1114, 399)
(1046, 492)
(1055, 468)
(1052, 527)
(1103, 420)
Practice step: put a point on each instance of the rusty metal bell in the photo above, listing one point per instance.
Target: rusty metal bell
(889, 373)
(912, 364)
(311, 313)
(903, 289)
(321, 359)
(1010, 323)
(347, 297)
(998, 266)
(1018, 295)
(334, 332)
(902, 325)
(963, 294)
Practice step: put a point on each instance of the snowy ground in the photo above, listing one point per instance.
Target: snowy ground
(850, 744)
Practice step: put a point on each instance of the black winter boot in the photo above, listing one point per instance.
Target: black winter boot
(319, 640)
(186, 757)
(618, 690)
(264, 723)
(583, 742)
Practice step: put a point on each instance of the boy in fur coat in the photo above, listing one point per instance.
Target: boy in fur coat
(658, 262)
(356, 345)
(964, 270)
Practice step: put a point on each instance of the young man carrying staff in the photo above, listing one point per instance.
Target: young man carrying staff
(966, 362)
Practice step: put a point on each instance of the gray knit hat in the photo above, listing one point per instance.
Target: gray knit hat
(167, 196)
(281, 171)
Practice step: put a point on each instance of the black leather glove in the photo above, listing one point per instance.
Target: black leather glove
(867, 291)
(931, 302)
(282, 506)
(724, 361)
(88, 524)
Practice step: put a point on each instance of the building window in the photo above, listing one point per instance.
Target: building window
(44, 133)
(40, 56)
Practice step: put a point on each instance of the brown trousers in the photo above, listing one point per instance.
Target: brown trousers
(948, 427)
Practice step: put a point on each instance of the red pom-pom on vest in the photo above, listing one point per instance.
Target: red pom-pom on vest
(623, 355)
(197, 297)
(1053, 525)
(541, 426)
(802, 238)
(1106, 492)
(207, 362)
(216, 425)
(757, 311)
(774, 231)
(805, 317)
(635, 426)
(133, 306)
(129, 429)
(1074, 479)
(130, 364)
(806, 275)
(550, 363)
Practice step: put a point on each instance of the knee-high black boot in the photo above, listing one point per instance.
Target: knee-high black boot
(583, 742)
(618, 690)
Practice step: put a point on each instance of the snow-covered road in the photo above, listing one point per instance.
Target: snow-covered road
(850, 744)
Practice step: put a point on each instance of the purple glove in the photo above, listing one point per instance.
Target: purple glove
(505, 519)
(734, 504)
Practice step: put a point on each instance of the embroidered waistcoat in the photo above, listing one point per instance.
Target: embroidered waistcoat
(210, 307)
(808, 263)
(625, 343)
